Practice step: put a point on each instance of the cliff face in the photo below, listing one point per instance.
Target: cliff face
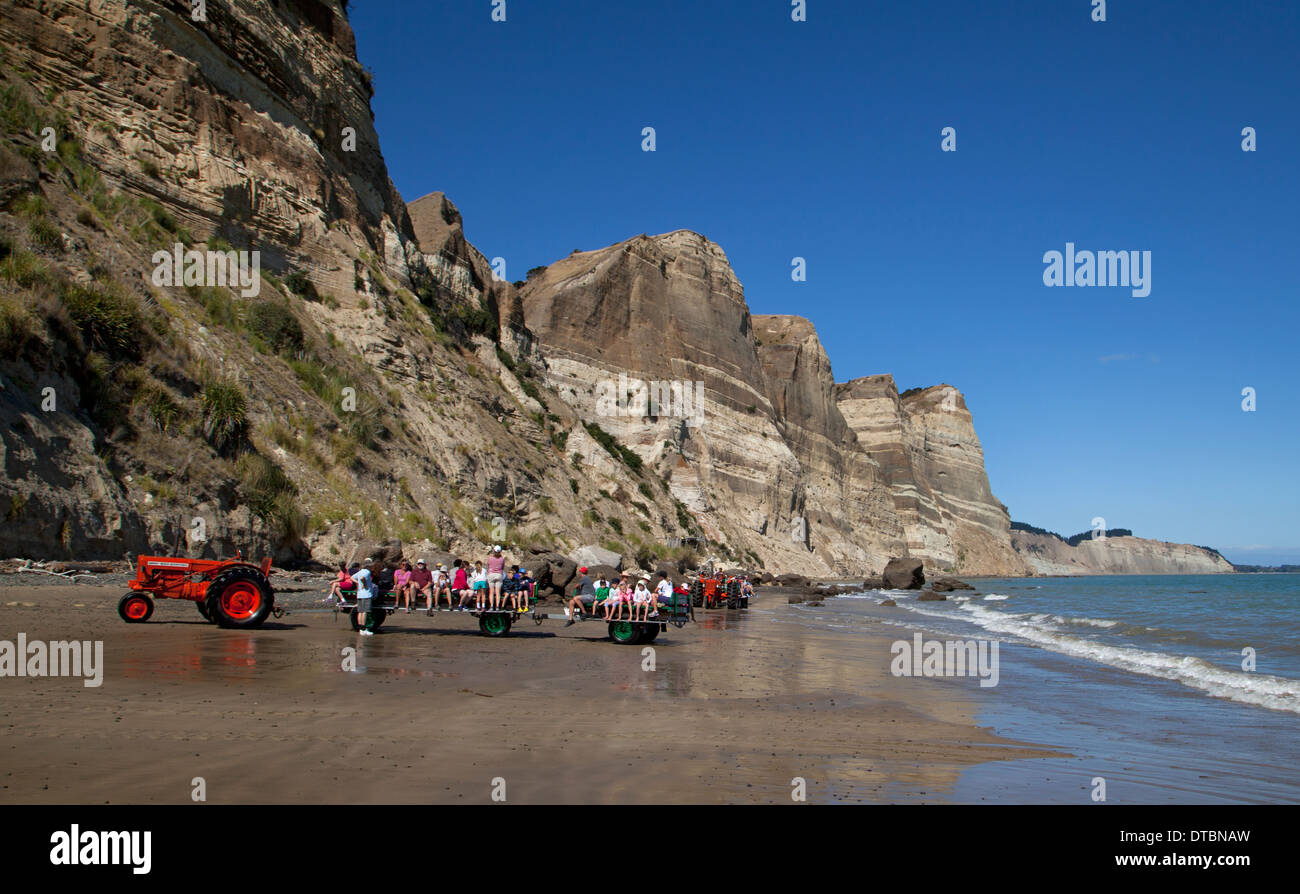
(933, 468)
(1115, 555)
(773, 468)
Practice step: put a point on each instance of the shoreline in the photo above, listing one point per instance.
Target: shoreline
(737, 706)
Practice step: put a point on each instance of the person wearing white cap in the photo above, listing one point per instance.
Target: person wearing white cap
(422, 582)
(496, 572)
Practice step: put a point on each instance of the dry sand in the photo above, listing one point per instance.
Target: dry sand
(738, 705)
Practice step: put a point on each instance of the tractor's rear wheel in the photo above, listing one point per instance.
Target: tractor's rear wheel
(374, 618)
(494, 623)
(733, 602)
(241, 597)
(697, 594)
(135, 608)
(625, 632)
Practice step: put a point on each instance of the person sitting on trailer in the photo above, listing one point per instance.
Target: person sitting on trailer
(460, 585)
(748, 590)
(441, 584)
(584, 598)
(621, 596)
(510, 588)
(523, 589)
(422, 582)
(402, 585)
(365, 592)
(478, 582)
(663, 592)
(642, 600)
(341, 583)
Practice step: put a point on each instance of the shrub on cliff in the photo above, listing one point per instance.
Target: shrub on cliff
(275, 325)
(225, 417)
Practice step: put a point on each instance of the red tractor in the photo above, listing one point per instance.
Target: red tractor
(229, 592)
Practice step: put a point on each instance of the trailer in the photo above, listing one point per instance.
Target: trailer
(718, 592)
(500, 621)
(227, 592)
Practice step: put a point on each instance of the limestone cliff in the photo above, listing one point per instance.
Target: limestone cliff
(1115, 555)
(933, 467)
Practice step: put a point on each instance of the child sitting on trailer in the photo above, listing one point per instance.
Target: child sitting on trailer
(478, 583)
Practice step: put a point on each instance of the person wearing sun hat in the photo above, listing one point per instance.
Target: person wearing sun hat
(584, 597)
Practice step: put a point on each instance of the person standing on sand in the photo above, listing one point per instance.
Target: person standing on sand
(496, 572)
(365, 592)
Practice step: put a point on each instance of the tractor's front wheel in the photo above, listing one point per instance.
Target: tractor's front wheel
(494, 623)
(135, 608)
(241, 597)
(204, 609)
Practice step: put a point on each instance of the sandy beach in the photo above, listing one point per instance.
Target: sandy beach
(737, 706)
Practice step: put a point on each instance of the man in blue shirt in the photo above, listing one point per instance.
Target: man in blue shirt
(365, 592)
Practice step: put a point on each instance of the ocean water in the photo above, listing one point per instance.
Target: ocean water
(1140, 678)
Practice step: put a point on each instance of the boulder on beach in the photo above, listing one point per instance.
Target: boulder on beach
(889, 602)
(931, 596)
(873, 583)
(791, 580)
(904, 574)
(948, 584)
(597, 555)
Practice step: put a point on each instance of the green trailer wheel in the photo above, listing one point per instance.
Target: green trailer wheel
(624, 632)
(494, 623)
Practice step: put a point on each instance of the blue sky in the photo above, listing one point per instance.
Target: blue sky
(821, 139)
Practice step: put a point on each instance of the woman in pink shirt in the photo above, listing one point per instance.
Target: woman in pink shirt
(401, 585)
(496, 572)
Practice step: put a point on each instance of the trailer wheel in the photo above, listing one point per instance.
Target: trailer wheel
(494, 623)
(624, 632)
(135, 608)
(650, 633)
(241, 597)
(374, 618)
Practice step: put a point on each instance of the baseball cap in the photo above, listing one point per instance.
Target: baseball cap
(582, 570)
(420, 562)
(497, 548)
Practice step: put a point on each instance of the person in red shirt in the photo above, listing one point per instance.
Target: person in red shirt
(460, 585)
(422, 582)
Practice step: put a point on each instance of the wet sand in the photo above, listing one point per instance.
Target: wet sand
(737, 706)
